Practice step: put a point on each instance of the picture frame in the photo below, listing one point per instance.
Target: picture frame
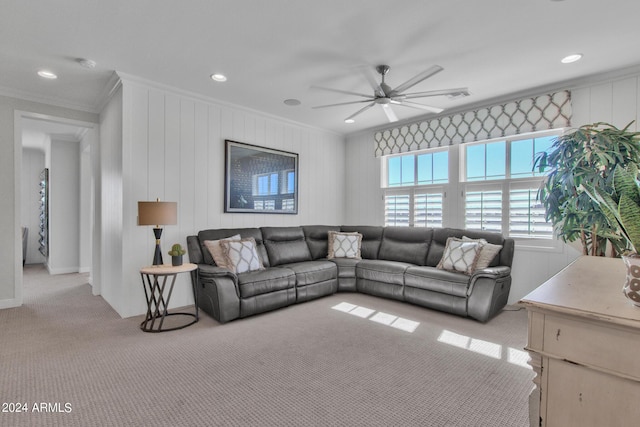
(260, 179)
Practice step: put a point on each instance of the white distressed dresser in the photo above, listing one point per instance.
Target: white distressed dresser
(584, 342)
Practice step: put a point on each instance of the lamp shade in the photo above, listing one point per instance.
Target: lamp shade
(157, 213)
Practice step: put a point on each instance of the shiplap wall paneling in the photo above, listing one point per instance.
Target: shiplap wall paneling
(138, 241)
(186, 177)
(173, 149)
(200, 168)
(625, 102)
(111, 125)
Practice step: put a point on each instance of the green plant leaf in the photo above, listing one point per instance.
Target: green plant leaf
(629, 212)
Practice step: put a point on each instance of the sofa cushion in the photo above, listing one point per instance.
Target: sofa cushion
(488, 251)
(310, 272)
(225, 233)
(460, 256)
(317, 239)
(346, 266)
(440, 236)
(260, 282)
(405, 244)
(215, 249)
(344, 245)
(436, 280)
(371, 238)
(241, 255)
(382, 271)
(285, 245)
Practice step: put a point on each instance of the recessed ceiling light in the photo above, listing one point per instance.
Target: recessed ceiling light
(571, 58)
(47, 74)
(219, 77)
(349, 121)
(292, 102)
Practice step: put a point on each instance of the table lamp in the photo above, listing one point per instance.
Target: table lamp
(157, 213)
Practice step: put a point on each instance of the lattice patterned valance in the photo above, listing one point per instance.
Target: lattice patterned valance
(525, 115)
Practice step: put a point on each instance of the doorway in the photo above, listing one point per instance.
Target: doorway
(67, 151)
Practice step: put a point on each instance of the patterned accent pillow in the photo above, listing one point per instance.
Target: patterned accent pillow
(216, 251)
(344, 245)
(488, 251)
(242, 255)
(460, 256)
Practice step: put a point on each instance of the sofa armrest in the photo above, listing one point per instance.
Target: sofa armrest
(212, 271)
(491, 272)
(218, 293)
(488, 292)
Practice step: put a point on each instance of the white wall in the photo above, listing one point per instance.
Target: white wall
(64, 207)
(613, 100)
(170, 145)
(86, 200)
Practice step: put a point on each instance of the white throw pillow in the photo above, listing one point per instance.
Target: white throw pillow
(488, 251)
(344, 245)
(460, 256)
(242, 255)
(216, 251)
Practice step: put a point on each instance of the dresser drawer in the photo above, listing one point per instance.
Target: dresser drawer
(593, 344)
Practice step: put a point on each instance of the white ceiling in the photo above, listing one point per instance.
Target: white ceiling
(277, 49)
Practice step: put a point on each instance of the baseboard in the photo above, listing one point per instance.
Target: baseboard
(65, 270)
(84, 270)
(10, 303)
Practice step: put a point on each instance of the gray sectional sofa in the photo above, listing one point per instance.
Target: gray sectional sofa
(396, 262)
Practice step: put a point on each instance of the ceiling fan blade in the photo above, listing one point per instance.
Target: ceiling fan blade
(362, 110)
(455, 91)
(389, 112)
(410, 104)
(343, 103)
(342, 91)
(418, 78)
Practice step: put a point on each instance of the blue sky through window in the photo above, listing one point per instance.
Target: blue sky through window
(418, 169)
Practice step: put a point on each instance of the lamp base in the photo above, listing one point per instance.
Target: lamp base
(157, 256)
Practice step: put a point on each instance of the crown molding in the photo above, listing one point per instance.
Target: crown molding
(128, 78)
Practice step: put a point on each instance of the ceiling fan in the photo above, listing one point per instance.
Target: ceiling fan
(385, 96)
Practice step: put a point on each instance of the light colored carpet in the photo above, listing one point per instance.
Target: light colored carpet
(305, 365)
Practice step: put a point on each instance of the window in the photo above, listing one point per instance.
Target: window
(494, 180)
(500, 186)
(483, 209)
(418, 169)
(419, 207)
(415, 191)
(526, 214)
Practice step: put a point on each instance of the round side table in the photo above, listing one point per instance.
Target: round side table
(158, 281)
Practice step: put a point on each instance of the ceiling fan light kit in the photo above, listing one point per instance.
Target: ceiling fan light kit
(386, 97)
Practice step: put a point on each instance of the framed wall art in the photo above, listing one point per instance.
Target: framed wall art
(260, 179)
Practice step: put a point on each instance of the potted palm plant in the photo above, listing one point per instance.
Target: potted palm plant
(586, 156)
(622, 210)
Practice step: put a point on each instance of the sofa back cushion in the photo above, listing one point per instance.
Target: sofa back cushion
(224, 233)
(371, 239)
(317, 237)
(285, 245)
(405, 244)
(440, 235)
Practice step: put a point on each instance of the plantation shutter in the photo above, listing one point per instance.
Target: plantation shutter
(483, 209)
(397, 209)
(526, 214)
